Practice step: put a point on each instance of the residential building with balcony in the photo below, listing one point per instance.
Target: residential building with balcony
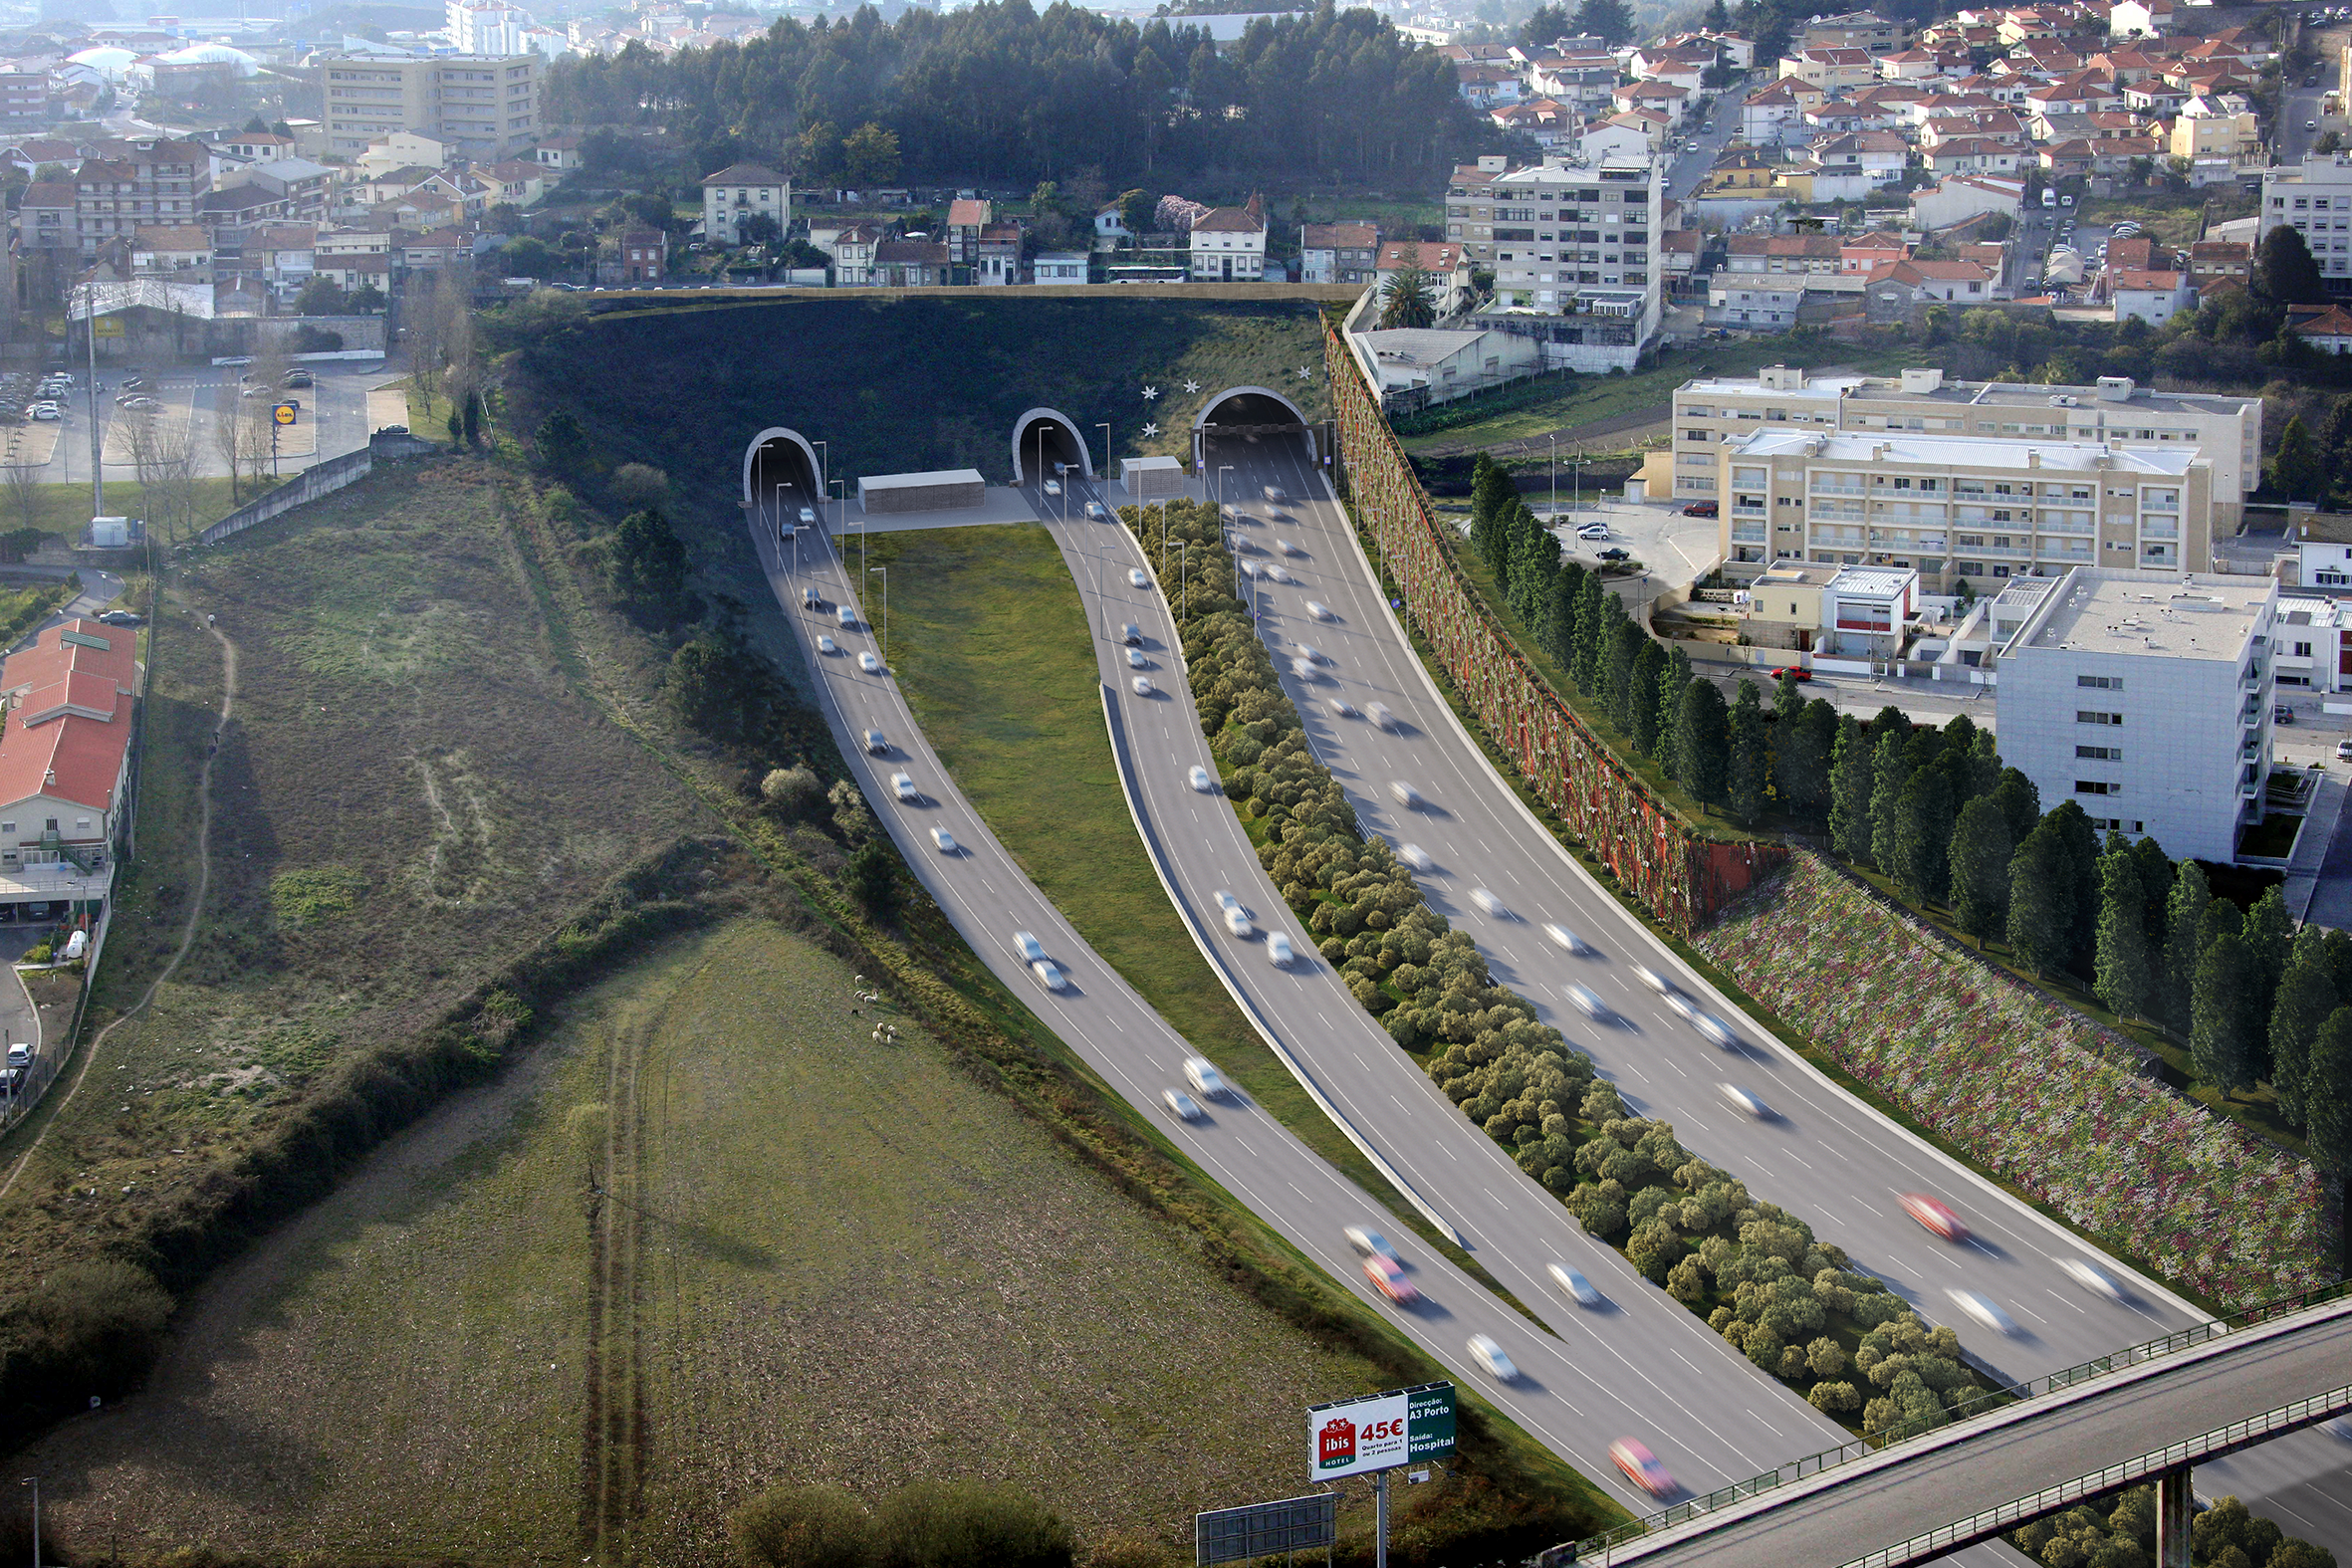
(148, 183)
(487, 107)
(1341, 253)
(2314, 197)
(1578, 259)
(2226, 431)
(1958, 508)
(2145, 698)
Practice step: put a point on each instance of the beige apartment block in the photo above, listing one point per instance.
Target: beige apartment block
(2226, 431)
(1957, 508)
(485, 106)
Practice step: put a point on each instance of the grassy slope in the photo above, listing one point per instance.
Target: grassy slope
(817, 1222)
(408, 798)
(1594, 399)
(992, 649)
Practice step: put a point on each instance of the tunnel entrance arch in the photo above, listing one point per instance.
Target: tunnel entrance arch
(1279, 416)
(781, 456)
(1062, 431)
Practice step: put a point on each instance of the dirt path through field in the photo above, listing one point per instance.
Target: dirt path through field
(187, 937)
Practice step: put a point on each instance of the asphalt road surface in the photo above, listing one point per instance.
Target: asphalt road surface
(1609, 1372)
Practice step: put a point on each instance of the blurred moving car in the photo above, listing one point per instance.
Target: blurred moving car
(1184, 1105)
(1744, 1101)
(1199, 779)
(1047, 976)
(2092, 1277)
(1579, 1288)
(1405, 795)
(1415, 856)
(1371, 1244)
(1588, 1001)
(868, 663)
(1489, 1355)
(1488, 903)
(1206, 1080)
(1390, 1281)
(1277, 949)
(1641, 1467)
(1029, 947)
(1564, 939)
(1935, 1213)
(1982, 1308)
(825, 644)
(944, 840)
(1138, 578)
(903, 787)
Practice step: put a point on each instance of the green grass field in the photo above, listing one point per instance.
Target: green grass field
(408, 797)
(818, 1259)
(1593, 398)
(992, 649)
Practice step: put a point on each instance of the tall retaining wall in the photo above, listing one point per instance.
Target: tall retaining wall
(313, 482)
(1684, 877)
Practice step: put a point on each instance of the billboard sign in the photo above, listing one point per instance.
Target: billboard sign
(1295, 1524)
(1378, 1431)
(284, 413)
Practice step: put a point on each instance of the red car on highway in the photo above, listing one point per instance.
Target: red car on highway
(1390, 1280)
(1935, 1213)
(1793, 672)
(1641, 1467)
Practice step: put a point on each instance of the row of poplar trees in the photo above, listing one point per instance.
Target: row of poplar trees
(1937, 811)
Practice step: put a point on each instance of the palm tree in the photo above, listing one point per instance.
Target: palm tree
(1410, 299)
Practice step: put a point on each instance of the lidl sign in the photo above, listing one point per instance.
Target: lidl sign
(1379, 1432)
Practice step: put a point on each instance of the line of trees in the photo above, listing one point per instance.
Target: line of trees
(1938, 812)
(1000, 91)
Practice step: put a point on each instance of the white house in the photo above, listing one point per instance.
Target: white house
(740, 191)
(1960, 197)
(2151, 296)
(1229, 244)
(1058, 267)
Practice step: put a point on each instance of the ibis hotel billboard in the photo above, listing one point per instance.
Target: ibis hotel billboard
(1378, 1431)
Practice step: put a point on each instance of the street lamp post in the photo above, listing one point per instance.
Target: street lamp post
(884, 573)
(824, 460)
(1223, 469)
(1554, 469)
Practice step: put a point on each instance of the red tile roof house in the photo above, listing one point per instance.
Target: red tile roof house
(65, 757)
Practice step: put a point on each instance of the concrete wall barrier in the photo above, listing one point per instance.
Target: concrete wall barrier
(318, 480)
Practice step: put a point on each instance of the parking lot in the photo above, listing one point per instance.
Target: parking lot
(1676, 549)
(332, 417)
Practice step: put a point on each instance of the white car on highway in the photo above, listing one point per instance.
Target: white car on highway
(1277, 949)
(1030, 948)
(1588, 1001)
(1094, 510)
(1048, 975)
(1564, 939)
(825, 644)
(1185, 1107)
(1141, 685)
(1405, 795)
(1290, 546)
(1379, 715)
(944, 840)
(1415, 856)
(1053, 487)
(1319, 609)
(1204, 1077)
(1717, 1033)
(1138, 578)
(1579, 1288)
(1201, 779)
(2091, 1277)
(1136, 660)
(1982, 1308)
(848, 617)
(875, 744)
(1370, 1243)
(903, 787)
(1490, 1356)
(1744, 1101)
(1488, 904)
(868, 663)
(1652, 979)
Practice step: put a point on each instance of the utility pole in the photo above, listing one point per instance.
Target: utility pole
(98, 471)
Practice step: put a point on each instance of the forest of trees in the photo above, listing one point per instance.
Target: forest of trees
(1937, 813)
(1002, 94)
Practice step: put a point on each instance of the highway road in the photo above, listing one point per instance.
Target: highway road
(1576, 1392)
(1667, 1360)
(1822, 1154)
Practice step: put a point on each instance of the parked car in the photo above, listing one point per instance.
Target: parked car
(1700, 509)
(123, 618)
(299, 379)
(1613, 554)
(1594, 531)
(2280, 713)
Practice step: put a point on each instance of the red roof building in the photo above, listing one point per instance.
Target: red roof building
(65, 748)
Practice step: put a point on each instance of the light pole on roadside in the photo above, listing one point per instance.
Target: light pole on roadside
(884, 573)
(824, 460)
(1555, 466)
(780, 508)
(1223, 469)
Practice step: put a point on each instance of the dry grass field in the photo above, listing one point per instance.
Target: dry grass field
(813, 1258)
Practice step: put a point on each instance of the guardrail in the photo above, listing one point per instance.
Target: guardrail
(2205, 1446)
(1597, 1548)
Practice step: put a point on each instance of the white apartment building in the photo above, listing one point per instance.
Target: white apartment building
(2225, 430)
(486, 27)
(1578, 258)
(2145, 699)
(740, 191)
(1954, 507)
(2312, 642)
(2315, 196)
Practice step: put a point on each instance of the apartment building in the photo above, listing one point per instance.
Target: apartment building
(1337, 252)
(2316, 197)
(2145, 699)
(1958, 507)
(1578, 258)
(2226, 431)
(740, 191)
(154, 182)
(485, 106)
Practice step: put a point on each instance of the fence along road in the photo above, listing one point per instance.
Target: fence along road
(1558, 1397)
(1823, 1155)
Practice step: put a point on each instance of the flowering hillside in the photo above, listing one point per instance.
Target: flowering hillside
(2018, 1083)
